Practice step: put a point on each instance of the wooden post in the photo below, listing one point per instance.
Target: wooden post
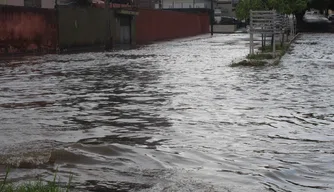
(58, 26)
(274, 32)
(212, 17)
(108, 30)
(251, 48)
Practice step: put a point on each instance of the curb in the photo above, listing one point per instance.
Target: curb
(274, 61)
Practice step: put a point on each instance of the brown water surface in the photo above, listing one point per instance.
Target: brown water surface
(173, 116)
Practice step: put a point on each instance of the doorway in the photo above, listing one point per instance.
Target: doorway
(125, 29)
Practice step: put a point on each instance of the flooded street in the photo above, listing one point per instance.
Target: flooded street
(173, 116)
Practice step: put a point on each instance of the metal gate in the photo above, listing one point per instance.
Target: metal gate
(125, 31)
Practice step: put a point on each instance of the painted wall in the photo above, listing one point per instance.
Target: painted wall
(27, 29)
(224, 28)
(157, 25)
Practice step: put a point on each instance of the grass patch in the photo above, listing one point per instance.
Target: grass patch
(260, 56)
(269, 48)
(249, 63)
(35, 186)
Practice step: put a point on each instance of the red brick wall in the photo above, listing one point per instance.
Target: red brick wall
(25, 29)
(156, 25)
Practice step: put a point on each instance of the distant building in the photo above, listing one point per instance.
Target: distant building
(12, 2)
(145, 3)
(227, 7)
(223, 7)
(30, 3)
(183, 4)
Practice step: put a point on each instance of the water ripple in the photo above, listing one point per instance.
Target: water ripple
(173, 116)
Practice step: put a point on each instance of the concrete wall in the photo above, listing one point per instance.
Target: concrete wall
(87, 27)
(48, 4)
(12, 2)
(157, 25)
(82, 27)
(224, 28)
(27, 29)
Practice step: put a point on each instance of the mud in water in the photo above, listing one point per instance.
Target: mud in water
(173, 116)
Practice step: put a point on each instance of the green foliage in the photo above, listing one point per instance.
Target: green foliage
(269, 48)
(298, 6)
(244, 6)
(249, 63)
(37, 186)
(282, 6)
(260, 56)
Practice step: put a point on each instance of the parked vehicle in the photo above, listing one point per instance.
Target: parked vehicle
(315, 17)
(331, 18)
(225, 20)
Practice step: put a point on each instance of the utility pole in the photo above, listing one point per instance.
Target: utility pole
(212, 17)
(108, 38)
(58, 26)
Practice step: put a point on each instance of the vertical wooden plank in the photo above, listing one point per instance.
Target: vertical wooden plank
(251, 33)
(274, 32)
(251, 43)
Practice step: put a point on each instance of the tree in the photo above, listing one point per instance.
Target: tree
(282, 6)
(287, 6)
(244, 6)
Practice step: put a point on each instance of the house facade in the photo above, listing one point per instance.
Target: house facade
(227, 7)
(12, 2)
(223, 7)
(48, 4)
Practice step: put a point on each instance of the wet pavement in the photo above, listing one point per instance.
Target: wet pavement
(173, 116)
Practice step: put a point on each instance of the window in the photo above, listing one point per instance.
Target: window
(33, 3)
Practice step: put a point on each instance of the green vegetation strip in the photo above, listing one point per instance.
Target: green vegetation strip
(269, 49)
(250, 63)
(260, 56)
(37, 186)
(265, 57)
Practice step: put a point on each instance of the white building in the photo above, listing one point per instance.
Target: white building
(224, 7)
(185, 4)
(227, 7)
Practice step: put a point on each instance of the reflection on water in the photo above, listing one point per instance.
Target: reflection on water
(173, 117)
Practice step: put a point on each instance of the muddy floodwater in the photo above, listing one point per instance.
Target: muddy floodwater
(173, 116)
